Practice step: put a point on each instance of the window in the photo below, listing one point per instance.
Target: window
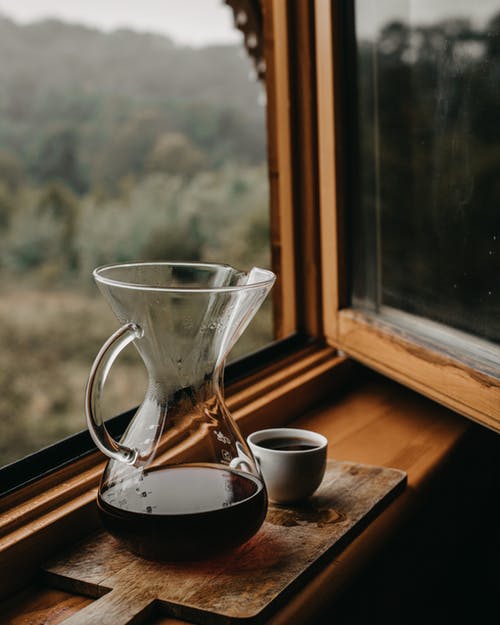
(117, 142)
(418, 216)
(428, 157)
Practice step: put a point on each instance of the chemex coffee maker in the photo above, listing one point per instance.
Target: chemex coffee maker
(181, 483)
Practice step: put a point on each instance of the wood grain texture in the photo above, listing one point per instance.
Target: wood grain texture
(249, 583)
(428, 371)
(41, 607)
(279, 157)
(329, 240)
(305, 180)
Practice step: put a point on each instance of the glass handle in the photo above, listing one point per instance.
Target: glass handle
(97, 378)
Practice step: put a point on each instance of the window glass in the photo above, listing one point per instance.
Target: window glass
(128, 131)
(426, 231)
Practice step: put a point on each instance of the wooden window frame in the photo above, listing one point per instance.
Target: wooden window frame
(59, 508)
(425, 367)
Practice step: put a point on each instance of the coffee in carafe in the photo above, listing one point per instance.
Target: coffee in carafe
(208, 510)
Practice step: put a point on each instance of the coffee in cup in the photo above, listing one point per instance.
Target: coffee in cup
(292, 461)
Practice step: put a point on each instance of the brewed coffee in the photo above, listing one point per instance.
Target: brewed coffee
(185, 512)
(287, 444)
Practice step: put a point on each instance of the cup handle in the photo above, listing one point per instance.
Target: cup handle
(97, 378)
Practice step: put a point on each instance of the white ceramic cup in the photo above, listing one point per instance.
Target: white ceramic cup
(290, 475)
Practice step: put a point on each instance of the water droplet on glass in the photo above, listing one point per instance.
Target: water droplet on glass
(252, 40)
(241, 18)
(490, 292)
(454, 286)
(490, 252)
(144, 493)
(149, 509)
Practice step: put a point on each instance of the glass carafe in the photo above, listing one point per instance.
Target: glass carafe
(181, 483)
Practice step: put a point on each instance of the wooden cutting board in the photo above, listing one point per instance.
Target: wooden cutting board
(248, 584)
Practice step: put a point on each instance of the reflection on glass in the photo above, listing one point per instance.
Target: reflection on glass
(426, 236)
(115, 145)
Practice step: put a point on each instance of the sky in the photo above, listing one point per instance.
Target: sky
(200, 22)
(192, 22)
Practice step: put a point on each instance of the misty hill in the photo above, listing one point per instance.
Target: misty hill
(109, 94)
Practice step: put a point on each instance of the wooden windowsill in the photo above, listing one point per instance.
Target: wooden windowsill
(441, 376)
(378, 422)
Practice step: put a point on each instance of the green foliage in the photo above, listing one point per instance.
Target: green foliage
(11, 173)
(57, 159)
(40, 230)
(127, 151)
(173, 218)
(6, 206)
(174, 153)
(87, 108)
(57, 201)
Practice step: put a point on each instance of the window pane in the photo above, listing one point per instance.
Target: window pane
(426, 235)
(128, 131)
